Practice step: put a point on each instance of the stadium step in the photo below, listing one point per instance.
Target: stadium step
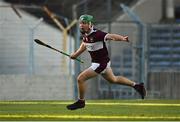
(164, 47)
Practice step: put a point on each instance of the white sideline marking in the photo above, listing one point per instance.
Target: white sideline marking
(40, 116)
(90, 103)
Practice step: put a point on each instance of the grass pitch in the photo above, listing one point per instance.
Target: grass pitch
(104, 110)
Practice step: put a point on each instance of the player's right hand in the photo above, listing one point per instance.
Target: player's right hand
(72, 56)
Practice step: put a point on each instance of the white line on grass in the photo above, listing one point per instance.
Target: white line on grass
(44, 116)
(90, 103)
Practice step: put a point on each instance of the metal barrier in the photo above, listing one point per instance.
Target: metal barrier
(27, 70)
(20, 55)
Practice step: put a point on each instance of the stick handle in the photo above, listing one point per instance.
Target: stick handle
(79, 60)
(43, 44)
(69, 56)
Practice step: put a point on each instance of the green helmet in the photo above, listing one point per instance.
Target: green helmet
(86, 18)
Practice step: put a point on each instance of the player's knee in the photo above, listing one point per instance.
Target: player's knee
(80, 79)
(113, 80)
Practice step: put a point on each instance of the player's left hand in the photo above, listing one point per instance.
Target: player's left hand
(125, 38)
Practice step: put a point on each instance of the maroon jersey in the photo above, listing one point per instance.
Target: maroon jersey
(96, 46)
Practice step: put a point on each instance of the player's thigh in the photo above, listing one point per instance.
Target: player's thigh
(109, 75)
(87, 74)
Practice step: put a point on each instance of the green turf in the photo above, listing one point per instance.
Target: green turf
(94, 110)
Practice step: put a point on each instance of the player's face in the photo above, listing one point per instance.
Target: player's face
(84, 27)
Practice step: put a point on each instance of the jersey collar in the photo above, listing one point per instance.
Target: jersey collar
(92, 31)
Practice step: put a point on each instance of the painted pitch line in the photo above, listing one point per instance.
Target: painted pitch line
(136, 104)
(90, 103)
(44, 116)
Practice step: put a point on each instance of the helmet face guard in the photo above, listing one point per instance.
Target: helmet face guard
(86, 18)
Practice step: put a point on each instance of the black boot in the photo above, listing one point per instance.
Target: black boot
(77, 105)
(140, 89)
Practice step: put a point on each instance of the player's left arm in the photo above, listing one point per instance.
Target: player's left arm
(116, 37)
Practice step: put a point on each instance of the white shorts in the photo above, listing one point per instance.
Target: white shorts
(100, 68)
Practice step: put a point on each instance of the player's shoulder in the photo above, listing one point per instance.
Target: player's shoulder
(97, 31)
(98, 35)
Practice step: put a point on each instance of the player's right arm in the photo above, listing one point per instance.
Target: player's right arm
(81, 49)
